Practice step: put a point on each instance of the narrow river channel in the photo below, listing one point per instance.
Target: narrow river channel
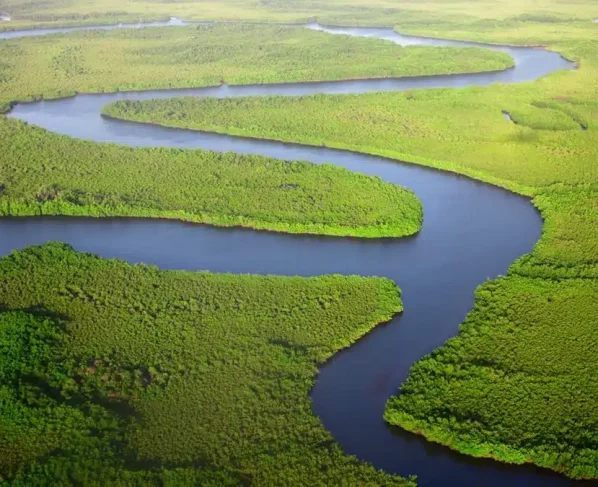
(472, 232)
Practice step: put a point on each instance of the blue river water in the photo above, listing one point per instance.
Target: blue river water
(472, 232)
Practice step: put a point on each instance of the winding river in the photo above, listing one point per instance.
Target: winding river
(471, 232)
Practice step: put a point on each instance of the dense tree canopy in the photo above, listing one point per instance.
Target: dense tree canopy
(518, 383)
(208, 55)
(121, 373)
(49, 174)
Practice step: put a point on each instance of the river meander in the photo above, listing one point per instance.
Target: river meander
(471, 232)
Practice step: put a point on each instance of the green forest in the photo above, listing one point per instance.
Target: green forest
(107, 367)
(208, 55)
(461, 130)
(517, 384)
(48, 174)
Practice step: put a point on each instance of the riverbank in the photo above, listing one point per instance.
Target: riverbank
(441, 319)
(463, 131)
(132, 356)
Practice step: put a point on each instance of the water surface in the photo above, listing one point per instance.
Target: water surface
(471, 232)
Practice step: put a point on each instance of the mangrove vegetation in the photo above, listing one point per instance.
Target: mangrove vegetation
(208, 55)
(107, 367)
(48, 174)
(115, 374)
(518, 383)
(429, 17)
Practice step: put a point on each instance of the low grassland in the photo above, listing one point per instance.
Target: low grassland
(49, 174)
(128, 375)
(518, 383)
(208, 55)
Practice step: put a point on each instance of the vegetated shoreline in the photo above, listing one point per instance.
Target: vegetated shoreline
(490, 451)
(343, 212)
(98, 212)
(76, 23)
(498, 452)
(35, 265)
(423, 163)
(399, 211)
(439, 38)
(310, 20)
(477, 43)
(395, 61)
(7, 107)
(477, 178)
(303, 24)
(144, 23)
(459, 447)
(369, 231)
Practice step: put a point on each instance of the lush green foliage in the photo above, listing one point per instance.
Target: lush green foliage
(517, 384)
(549, 116)
(569, 246)
(207, 55)
(459, 130)
(301, 198)
(118, 372)
(44, 173)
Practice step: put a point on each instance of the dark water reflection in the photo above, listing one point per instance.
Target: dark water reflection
(471, 232)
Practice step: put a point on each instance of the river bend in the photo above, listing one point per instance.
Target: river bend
(471, 232)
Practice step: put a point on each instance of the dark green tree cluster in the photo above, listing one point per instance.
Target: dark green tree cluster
(128, 375)
(48, 174)
(517, 384)
(569, 245)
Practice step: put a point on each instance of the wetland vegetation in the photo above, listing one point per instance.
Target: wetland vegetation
(517, 384)
(45, 174)
(461, 130)
(426, 16)
(128, 375)
(208, 55)
(48, 174)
